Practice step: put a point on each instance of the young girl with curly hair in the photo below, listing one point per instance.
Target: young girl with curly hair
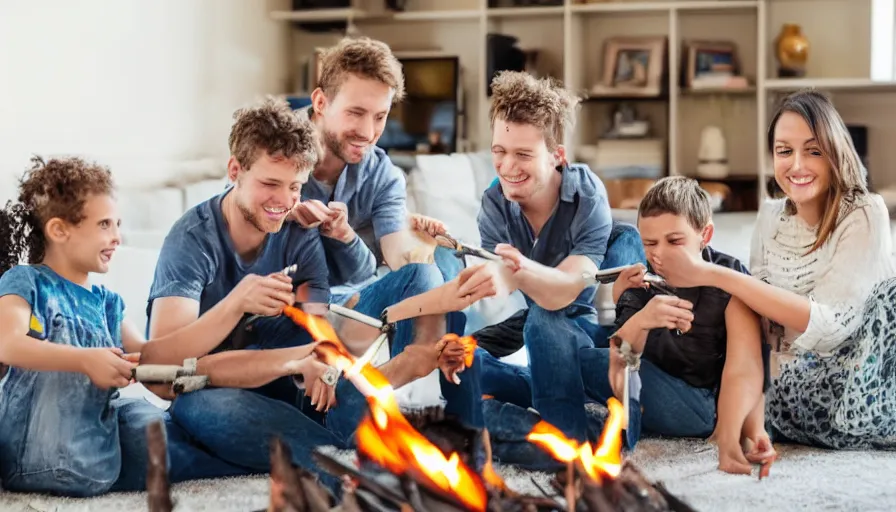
(65, 345)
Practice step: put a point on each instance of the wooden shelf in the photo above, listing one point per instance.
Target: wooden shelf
(447, 15)
(359, 15)
(720, 91)
(834, 84)
(570, 38)
(620, 99)
(319, 15)
(664, 6)
(519, 12)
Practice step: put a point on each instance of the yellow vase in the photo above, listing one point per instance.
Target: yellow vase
(792, 51)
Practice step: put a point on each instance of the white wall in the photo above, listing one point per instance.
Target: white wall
(147, 87)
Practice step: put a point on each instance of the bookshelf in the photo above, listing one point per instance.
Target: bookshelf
(854, 63)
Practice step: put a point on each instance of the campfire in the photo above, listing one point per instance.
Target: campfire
(424, 461)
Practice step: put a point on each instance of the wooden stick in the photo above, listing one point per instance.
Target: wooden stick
(158, 489)
(570, 486)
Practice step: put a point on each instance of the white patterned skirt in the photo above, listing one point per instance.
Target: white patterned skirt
(846, 400)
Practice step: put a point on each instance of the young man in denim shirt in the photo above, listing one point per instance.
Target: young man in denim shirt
(357, 198)
(221, 262)
(550, 222)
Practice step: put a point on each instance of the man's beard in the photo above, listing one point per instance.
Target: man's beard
(249, 216)
(334, 146)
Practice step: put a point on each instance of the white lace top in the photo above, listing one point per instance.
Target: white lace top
(837, 278)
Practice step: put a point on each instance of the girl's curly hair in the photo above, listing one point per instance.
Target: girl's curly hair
(49, 189)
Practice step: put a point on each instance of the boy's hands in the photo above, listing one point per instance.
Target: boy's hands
(666, 312)
(630, 277)
(263, 295)
(106, 367)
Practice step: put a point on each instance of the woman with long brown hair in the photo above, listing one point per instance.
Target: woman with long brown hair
(823, 279)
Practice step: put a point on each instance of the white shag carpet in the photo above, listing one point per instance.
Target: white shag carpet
(802, 479)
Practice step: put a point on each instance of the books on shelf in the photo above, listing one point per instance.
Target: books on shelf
(628, 158)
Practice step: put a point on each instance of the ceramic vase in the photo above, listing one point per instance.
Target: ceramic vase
(792, 51)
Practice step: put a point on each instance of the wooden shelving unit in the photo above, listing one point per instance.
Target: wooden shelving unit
(570, 40)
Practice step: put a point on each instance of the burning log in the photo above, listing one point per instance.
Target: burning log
(424, 462)
(294, 489)
(596, 480)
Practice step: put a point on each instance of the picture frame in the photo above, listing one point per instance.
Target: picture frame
(633, 66)
(710, 63)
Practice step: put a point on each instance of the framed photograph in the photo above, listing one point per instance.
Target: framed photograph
(633, 66)
(710, 63)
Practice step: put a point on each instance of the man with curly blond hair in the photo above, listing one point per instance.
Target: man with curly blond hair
(550, 222)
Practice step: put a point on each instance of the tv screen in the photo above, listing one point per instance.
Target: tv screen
(427, 118)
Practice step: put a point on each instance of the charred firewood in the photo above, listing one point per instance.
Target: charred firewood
(287, 494)
(158, 490)
(422, 417)
(675, 503)
(318, 498)
(446, 433)
(629, 491)
(362, 480)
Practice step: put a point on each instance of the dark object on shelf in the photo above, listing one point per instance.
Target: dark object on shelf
(744, 195)
(497, 4)
(323, 26)
(304, 5)
(433, 105)
(502, 54)
(859, 135)
(663, 96)
(396, 5)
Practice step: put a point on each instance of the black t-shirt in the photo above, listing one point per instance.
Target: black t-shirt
(697, 356)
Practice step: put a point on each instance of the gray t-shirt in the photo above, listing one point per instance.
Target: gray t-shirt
(198, 261)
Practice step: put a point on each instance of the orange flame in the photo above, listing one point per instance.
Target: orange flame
(603, 462)
(385, 436)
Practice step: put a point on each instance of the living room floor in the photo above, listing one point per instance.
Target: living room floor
(802, 478)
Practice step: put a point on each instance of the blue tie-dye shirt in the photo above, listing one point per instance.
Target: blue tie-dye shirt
(37, 404)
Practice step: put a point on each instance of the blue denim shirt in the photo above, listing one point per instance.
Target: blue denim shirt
(580, 224)
(198, 261)
(64, 404)
(375, 192)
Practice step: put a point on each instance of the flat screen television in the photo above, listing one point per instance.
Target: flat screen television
(428, 116)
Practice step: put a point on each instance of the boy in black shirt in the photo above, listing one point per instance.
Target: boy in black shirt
(701, 365)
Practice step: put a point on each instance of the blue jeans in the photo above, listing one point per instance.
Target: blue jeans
(624, 247)
(510, 424)
(463, 401)
(671, 407)
(449, 264)
(56, 457)
(237, 425)
(553, 340)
